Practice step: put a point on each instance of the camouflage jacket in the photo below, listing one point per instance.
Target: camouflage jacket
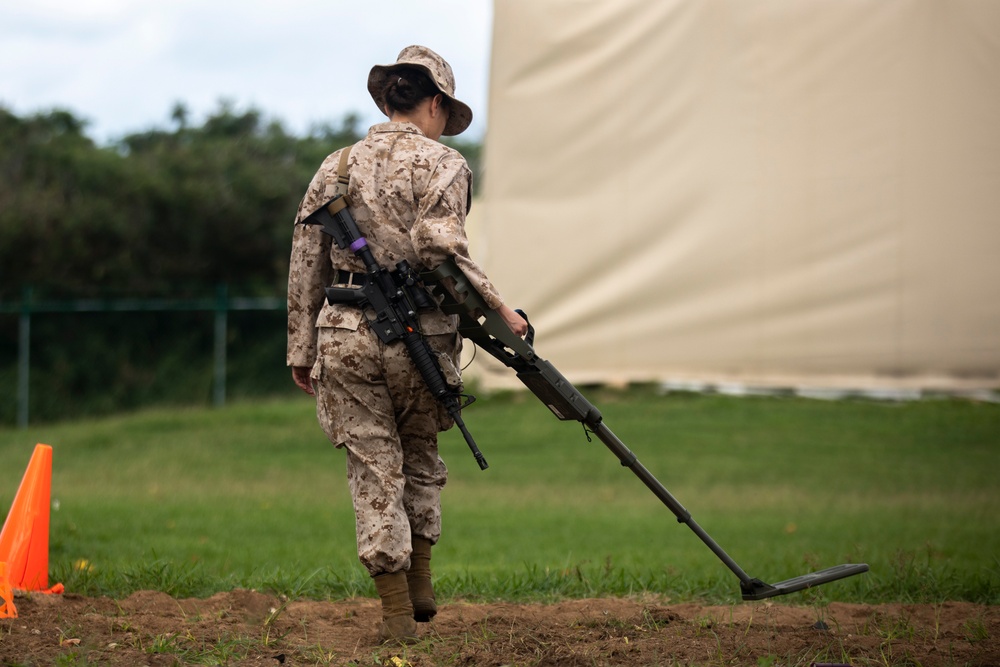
(410, 196)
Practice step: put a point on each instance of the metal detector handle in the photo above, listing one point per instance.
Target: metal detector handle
(529, 337)
(476, 320)
(484, 326)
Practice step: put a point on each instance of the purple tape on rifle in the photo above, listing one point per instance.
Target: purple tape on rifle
(359, 244)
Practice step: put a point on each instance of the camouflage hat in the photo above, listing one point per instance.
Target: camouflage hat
(460, 115)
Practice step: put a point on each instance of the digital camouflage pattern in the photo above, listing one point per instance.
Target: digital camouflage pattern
(410, 196)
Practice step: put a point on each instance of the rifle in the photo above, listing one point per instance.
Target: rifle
(392, 299)
(486, 328)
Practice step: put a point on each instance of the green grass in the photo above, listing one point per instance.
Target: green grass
(191, 502)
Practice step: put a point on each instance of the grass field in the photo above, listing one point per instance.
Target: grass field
(191, 502)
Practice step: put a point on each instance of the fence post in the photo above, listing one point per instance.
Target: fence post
(221, 316)
(24, 358)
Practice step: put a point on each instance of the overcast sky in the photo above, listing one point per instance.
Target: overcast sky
(121, 65)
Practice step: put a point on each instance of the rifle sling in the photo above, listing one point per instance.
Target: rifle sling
(343, 179)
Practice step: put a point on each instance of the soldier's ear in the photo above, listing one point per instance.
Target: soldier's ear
(438, 104)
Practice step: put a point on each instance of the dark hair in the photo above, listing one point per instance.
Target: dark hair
(407, 87)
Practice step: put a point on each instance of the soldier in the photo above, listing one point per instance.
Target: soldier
(409, 195)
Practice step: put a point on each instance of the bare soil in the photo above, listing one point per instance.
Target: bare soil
(248, 628)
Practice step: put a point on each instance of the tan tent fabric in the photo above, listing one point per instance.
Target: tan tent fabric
(777, 192)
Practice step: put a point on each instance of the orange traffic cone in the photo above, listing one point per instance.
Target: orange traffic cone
(7, 608)
(24, 540)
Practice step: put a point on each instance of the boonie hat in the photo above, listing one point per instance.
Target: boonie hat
(460, 115)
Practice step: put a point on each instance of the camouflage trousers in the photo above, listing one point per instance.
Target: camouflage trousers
(371, 401)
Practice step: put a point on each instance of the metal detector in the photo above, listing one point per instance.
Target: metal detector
(483, 326)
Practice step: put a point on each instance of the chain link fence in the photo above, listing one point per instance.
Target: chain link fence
(85, 356)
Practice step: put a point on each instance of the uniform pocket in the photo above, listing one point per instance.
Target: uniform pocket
(436, 322)
(325, 410)
(339, 316)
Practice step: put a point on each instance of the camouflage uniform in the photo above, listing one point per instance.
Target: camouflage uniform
(409, 195)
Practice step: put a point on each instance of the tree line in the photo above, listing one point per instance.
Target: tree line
(161, 212)
(166, 213)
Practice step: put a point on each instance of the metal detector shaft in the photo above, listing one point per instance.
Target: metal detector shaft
(630, 461)
(566, 402)
(485, 328)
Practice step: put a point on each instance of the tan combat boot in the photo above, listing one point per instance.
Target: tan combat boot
(398, 625)
(419, 579)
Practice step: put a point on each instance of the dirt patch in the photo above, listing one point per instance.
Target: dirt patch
(248, 628)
